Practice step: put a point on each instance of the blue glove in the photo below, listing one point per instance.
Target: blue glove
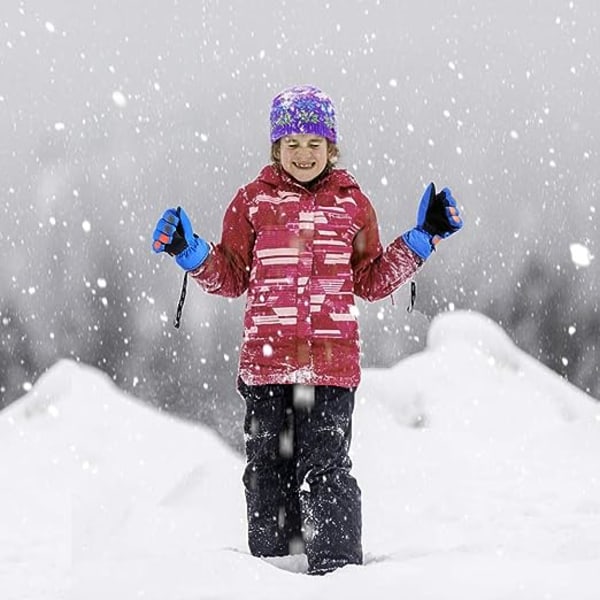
(175, 235)
(438, 217)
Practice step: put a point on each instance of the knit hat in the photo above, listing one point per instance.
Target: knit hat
(303, 109)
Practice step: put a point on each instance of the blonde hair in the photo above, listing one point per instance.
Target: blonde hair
(333, 153)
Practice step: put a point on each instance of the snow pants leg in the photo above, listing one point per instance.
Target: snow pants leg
(273, 507)
(299, 489)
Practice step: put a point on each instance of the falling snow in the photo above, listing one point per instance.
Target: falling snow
(580, 255)
(119, 99)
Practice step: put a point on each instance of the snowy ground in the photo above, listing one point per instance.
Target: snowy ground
(479, 470)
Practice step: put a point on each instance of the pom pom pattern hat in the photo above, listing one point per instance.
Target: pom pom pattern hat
(303, 109)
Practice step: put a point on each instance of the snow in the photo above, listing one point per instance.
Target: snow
(119, 99)
(580, 255)
(478, 467)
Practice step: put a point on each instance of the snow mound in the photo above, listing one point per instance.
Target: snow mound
(472, 378)
(470, 330)
(476, 463)
(94, 473)
(53, 386)
(80, 428)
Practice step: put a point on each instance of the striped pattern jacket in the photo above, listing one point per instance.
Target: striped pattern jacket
(302, 255)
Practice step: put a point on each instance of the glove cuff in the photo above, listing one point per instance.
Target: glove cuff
(419, 241)
(194, 255)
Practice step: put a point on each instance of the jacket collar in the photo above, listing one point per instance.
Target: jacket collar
(275, 176)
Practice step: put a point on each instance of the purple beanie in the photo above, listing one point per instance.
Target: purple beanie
(303, 109)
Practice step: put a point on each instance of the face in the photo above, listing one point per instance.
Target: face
(303, 156)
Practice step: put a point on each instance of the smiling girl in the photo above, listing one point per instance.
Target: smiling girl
(302, 240)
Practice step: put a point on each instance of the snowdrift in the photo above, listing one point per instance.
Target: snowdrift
(477, 464)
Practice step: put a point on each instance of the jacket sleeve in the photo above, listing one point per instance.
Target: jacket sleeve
(379, 272)
(226, 271)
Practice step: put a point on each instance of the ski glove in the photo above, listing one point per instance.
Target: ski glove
(175, 235)
(438, 217)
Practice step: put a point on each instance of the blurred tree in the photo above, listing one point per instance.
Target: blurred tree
(546, 319)
(17, 357)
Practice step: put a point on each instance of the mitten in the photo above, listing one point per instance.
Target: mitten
(438, 217)
(175, 235)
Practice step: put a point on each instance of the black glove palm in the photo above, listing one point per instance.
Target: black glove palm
(440, 215)
(437, 218)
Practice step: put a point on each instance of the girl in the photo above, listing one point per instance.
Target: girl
(302, 240)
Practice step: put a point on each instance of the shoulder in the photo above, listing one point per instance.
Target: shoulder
(342, 182)
(266, 180)
(268, 177)
(342, 179)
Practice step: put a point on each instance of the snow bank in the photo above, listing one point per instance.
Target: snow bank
(477, 465)
(473, 378)
(94, 475)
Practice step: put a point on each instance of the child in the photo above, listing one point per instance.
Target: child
(302, 240)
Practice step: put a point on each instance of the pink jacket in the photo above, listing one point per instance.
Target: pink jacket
(302, 255)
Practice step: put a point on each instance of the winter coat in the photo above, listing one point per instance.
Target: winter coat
(302, 255)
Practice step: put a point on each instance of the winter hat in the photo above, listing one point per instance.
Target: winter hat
(303, 109)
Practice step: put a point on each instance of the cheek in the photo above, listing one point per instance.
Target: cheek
(285, 156)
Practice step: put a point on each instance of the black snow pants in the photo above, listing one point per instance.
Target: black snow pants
(300, 495)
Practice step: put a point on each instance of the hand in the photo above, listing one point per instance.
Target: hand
(438, 214)
(175, 235)
(438, 217)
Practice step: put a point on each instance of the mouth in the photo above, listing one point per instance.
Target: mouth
(305, 165)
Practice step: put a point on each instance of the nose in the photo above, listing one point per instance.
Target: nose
(303, 150)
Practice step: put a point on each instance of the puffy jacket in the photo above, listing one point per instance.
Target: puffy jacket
(302, 255)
